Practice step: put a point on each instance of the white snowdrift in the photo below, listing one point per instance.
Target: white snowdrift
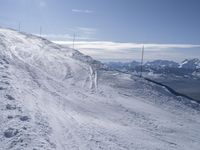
(52, 97)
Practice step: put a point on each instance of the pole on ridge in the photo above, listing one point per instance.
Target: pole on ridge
(142, 59)
(19, 26)
(73, 40)
(40, 31)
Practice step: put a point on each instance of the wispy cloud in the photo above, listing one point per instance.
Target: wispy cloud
(81, 33)
(129, 51)
(82, 11)
(116, 46)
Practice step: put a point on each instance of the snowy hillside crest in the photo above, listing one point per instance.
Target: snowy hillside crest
(55, 98)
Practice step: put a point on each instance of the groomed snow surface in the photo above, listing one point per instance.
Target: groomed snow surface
(55, 98)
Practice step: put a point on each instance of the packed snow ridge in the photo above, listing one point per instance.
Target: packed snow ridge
(55, 98)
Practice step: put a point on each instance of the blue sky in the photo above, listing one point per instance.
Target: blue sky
(112, 29)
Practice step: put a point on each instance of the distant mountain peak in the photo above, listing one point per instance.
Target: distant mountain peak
(190, 63)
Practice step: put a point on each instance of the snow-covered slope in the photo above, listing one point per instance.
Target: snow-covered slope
(190, 64)
(52, 97)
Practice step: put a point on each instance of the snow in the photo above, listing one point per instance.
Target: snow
(190, 63)
(53, 97)
(183, 63)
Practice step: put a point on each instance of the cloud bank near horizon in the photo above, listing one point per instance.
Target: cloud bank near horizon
(118, 51)
(109, 45)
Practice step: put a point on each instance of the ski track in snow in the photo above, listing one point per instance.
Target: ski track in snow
(55, 98)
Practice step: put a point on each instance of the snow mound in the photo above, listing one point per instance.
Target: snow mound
(55, 98)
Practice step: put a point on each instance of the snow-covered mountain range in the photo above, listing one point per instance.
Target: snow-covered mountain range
(187, 67)
(55, 98)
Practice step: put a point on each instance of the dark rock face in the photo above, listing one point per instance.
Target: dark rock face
(10, 107)
(10, 132)
(10, 117)
(1, 88)
(10, 97)
(24, 118)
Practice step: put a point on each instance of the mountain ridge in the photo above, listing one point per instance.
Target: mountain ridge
(186, 67)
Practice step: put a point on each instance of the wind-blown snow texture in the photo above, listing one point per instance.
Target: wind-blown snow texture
(52, 97)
